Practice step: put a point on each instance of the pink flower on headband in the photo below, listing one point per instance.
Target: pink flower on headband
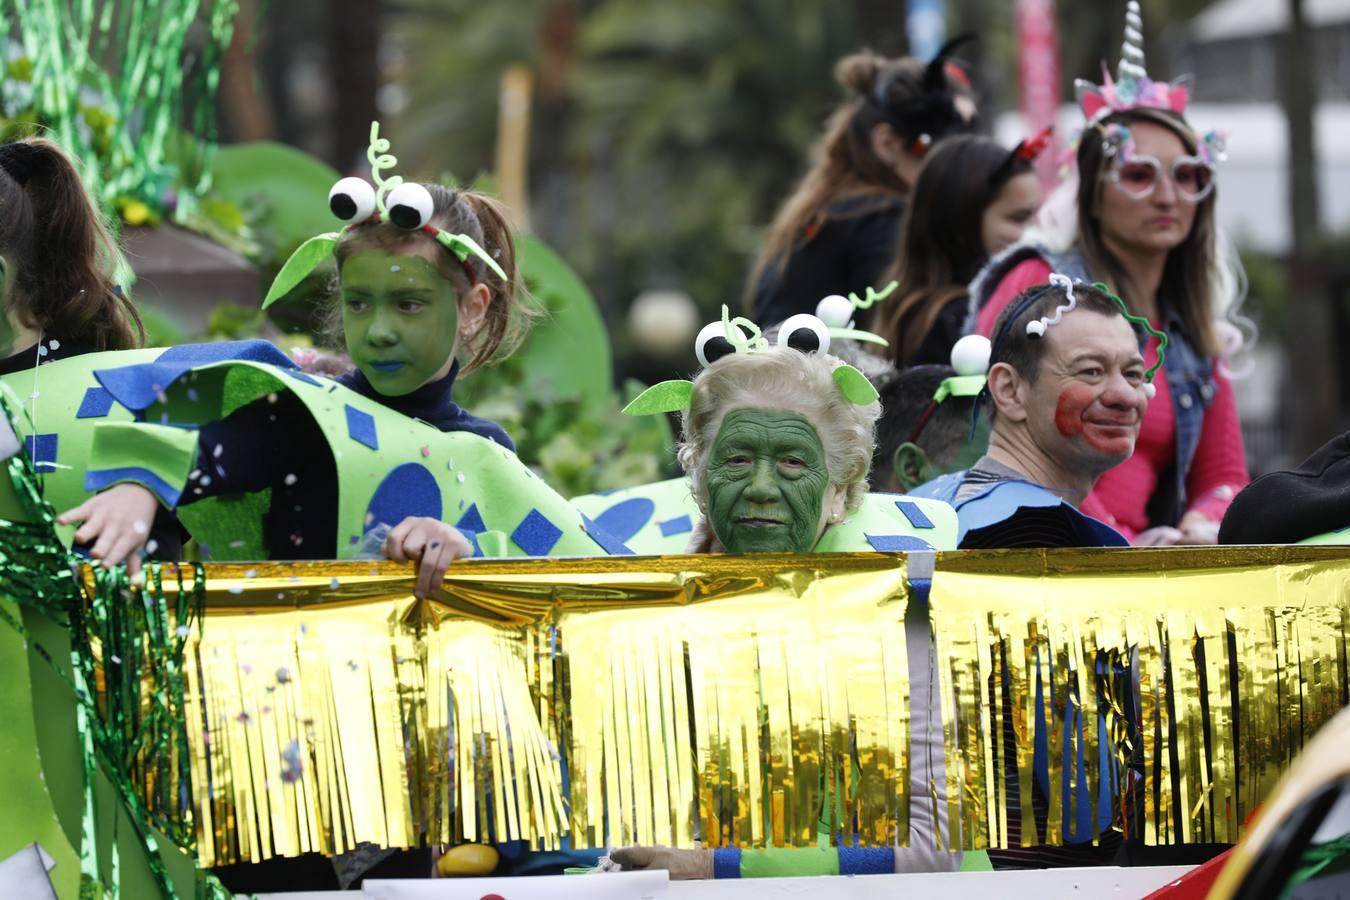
(1100, 101)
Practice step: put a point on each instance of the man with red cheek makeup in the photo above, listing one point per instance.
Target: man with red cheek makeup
(1066, 389)
(1066, 392)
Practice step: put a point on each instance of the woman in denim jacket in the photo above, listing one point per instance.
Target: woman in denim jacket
(1144, 224)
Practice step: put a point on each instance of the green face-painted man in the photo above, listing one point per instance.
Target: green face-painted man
(767, 484)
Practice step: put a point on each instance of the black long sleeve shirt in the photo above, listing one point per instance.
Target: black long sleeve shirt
(274, 443)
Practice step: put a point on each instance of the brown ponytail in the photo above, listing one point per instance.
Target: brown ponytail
(510, 310)
(60, 255)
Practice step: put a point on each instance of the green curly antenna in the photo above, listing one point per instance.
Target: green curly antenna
(872, 296)
(1143, 323)
(754, 340)
(381, 159)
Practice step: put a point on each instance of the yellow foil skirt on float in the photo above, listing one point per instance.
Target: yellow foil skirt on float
(748, 701)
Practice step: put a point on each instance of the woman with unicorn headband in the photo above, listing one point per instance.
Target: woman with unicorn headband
(1143, 223)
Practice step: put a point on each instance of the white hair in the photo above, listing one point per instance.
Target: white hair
(786, 379)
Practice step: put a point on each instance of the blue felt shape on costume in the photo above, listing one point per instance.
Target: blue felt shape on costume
(605, 538)
(97, 480)
(535, 534)
(220, 351)
(727, 862)
(409, 490)
(626, 518)
(472, 538)
(361, 428)
(472, 520)
(677, 525)
(42, 451)
(97, 403)
(866, 860)
(896, 543)
(916, 516)
(138, 387)
(301, 376)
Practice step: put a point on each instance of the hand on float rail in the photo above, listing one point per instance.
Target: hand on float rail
(683, 865)
(1198, 528)
(432, 544)
(1157, 536)
(117, 522)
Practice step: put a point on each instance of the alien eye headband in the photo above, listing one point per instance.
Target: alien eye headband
(354, 200)
(970, 360)
(1036, 328)
(718, 340)
(836, 311)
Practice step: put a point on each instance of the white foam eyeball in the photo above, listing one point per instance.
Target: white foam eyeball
(1150, 389)
(1036, 328)
(410, 205)
(352, 200)
(711, 344)
(804, 332)
(835, 311)
(970, 355)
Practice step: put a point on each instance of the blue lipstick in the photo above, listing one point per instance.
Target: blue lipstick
(387, 366)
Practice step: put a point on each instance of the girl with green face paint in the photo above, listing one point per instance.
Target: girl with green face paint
(413, 313)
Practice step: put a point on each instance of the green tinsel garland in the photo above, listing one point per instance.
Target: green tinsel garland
(121, 641)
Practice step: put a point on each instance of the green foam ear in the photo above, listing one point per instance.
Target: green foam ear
(668, 396)
(853, 385)
(853, 334)
(306, 258)
(462, 246)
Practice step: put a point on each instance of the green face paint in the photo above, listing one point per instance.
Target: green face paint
(400, 317)
(970, 451)
(766, 481)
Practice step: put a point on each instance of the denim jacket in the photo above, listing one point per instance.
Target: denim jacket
(1190, 376)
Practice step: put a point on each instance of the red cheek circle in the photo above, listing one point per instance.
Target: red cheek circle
(1073, 402)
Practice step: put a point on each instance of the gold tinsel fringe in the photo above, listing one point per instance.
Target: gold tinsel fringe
(737, 702)
(748, 701)
(1233, 659)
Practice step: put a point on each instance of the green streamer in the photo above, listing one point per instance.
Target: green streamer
(122, 642)
(116, 83)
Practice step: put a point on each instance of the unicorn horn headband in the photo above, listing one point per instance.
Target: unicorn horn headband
(1132, 88)
(729, 336)
(408, 205)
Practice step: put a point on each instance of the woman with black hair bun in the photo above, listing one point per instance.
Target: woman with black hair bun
(836, 233)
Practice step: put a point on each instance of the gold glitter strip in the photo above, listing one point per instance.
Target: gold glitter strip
(741, 700)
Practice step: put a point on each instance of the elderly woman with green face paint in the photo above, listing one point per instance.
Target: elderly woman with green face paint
(428, 289)
(777, 443)
(775, 453)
